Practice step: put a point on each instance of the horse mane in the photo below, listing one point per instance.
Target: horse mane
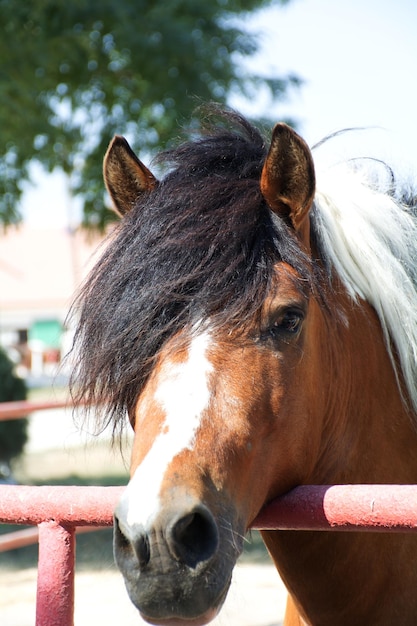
(203, 245)
(367, 231)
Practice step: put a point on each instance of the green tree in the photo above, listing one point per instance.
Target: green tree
(13, 433)
(74, 73)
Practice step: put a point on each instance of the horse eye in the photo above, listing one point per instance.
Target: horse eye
(289, 323)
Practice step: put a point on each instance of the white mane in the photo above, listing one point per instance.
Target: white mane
(370, 239)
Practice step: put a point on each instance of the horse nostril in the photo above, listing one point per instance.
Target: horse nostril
(137, 546)
(121, 542)
(142, 550)
(194, 538)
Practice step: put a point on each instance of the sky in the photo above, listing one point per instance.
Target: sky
(358, 61)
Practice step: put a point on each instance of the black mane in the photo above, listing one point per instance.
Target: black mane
(202, 245)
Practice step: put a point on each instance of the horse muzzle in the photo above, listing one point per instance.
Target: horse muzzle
(179, 566)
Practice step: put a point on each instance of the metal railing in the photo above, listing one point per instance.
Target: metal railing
(57, 512)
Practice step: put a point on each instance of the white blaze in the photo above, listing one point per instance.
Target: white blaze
(183, 394)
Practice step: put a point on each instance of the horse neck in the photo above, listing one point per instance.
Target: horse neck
(368, 434)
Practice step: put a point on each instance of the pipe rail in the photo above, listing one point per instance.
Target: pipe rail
(59, 510)
(23, 408)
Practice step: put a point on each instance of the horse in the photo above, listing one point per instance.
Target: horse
(254, 318)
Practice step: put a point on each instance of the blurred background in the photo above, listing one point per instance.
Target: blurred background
(74, 74)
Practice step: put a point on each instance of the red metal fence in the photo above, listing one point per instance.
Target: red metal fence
(58, 511)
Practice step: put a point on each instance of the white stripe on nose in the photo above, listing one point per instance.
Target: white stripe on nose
(183, 393)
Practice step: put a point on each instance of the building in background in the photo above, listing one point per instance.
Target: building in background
(40, 271)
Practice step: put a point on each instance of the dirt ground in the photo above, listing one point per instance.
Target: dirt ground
(256, 598)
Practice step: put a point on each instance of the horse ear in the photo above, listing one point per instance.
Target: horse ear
(125, 176)
(288, 180)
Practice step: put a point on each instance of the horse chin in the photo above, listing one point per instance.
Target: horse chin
(176, 621)
(191, 613)
(195, 603)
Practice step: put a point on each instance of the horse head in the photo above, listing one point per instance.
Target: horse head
(218, 432)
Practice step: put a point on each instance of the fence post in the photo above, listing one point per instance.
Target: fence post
(55, 588)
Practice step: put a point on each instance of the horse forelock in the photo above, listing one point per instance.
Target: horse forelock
(202, 246)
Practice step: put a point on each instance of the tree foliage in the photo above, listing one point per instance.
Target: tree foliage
(13, 433)
(74, 73)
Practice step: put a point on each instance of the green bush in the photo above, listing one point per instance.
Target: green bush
(13, 433)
